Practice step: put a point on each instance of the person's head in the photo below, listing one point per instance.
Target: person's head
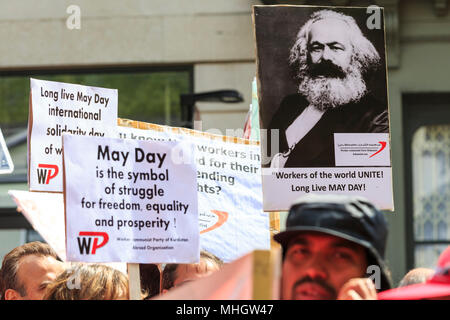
(150, 279)
(330, 58)
(436, 287)
(89, 282)
(330, 239)
(417, 275)
(177, 274)
(27, 270)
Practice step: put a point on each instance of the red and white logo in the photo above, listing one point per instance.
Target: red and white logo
(45, 172)
(85, 241)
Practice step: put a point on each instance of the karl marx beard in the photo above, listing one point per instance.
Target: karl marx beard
(326, 85)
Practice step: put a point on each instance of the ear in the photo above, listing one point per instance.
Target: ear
(11, 294)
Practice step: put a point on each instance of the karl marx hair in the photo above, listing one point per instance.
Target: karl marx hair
(364, 54)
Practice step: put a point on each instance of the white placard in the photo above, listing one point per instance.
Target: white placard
(373, 183)
(130, 201)
(362, 149)
(58, 108)
(231, 219)
(320, 114)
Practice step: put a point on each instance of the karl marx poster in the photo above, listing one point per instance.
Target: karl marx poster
(323, 103)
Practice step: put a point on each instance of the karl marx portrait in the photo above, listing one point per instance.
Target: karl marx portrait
(331, 60)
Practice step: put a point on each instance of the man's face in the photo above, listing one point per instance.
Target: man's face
(329, 46)
(317, 265)
(35, 273)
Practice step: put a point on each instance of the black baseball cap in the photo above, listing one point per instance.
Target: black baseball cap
(349, 217)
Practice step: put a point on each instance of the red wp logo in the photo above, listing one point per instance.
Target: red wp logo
(85, 241)
(45, 172)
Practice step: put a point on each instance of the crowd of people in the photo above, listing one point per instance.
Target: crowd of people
(34, 272)
(331, 245)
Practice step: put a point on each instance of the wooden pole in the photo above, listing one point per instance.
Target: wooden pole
(266, 274)
(134, 280)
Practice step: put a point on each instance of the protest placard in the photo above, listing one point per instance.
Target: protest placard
(57, 108)
(323, 103)
(254, 276)
(130, 201)
(231, 220)
(6, 164)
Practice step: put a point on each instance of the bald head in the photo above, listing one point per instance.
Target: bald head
(415, 276)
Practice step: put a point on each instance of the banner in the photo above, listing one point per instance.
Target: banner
(130, 201)
(57, 108)
(231, 220)
(323, 103)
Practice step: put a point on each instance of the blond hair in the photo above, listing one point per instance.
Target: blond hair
(89, 282)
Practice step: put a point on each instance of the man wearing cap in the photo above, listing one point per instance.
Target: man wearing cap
(330, 244)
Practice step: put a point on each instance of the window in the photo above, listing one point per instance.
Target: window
(426, 129)
(431, 193)
(145, 95)
(32, 235)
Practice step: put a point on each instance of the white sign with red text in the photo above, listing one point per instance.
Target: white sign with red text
(130, 201)
(57, 108)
